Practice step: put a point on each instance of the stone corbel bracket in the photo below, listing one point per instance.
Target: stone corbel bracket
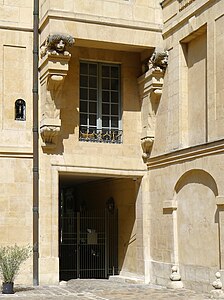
(49, 130)
(151, 83)
(150, 91)
(53, 71)
(146, 143)
(54, 67)
(55, 58)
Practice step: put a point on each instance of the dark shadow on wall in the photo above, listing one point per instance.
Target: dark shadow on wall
(197, 176)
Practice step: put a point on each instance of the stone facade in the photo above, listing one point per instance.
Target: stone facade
(165, 174)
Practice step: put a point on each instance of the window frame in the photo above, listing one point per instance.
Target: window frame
(114, 77)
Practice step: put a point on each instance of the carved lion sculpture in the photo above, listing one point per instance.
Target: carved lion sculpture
(158, 60)
(57, 44)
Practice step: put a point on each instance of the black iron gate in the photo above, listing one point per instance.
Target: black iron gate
(88, 243)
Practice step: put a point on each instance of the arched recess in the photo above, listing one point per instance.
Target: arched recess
(197, 221)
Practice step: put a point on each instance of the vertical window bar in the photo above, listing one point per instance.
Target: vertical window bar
(99, 102)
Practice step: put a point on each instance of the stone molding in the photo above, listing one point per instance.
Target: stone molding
(220, 200)
(184, 3)
(170, 204)
(93, 19)
(54, 67)
(186, 154)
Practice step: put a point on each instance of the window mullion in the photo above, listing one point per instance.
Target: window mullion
(119, 101)
(99, 102)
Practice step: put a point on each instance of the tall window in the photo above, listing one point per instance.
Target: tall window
(100, 103)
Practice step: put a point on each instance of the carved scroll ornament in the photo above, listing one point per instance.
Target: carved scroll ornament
(146, 144)
(49, 135)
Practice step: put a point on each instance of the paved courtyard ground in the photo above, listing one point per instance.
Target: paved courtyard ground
(102, 290)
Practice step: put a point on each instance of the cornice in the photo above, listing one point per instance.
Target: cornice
(91, 19)
(186, 154)
(16, 154)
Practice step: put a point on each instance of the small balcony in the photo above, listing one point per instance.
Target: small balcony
(111, 136)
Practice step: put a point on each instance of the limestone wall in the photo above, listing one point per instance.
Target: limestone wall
(16, 13)
(186, 219)
(190, 105)
(16, 206)
(16, 71)
(186, 163)
(16, 135)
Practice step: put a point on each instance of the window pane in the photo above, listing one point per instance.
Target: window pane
(105, 71)
(83, 94)
(83, 68)
(92, 94)
(92, 107)
(93, 69)
(114, 97)
(83, 81)
(92, 82)
(83, 119)
(114, 122)
(83, 129)
(114, 109)
(83, 106)
(105, 109)
(105, 121)
(92, 119)
(105, 96)
(114, 84)
(106, 84)
(92, 129)
(114, 72)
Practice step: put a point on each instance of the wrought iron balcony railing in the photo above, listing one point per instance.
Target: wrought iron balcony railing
(112, 136)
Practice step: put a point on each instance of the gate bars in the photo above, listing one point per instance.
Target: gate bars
(88, 244)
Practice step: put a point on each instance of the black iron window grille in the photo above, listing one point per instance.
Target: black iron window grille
(100, 103)
(101, 136)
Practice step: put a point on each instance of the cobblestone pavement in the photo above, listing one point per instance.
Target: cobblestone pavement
(94, 289)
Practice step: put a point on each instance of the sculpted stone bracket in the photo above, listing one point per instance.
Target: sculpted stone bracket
(146, 143)
(49, 130)
(150, 90)
(53, 70)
